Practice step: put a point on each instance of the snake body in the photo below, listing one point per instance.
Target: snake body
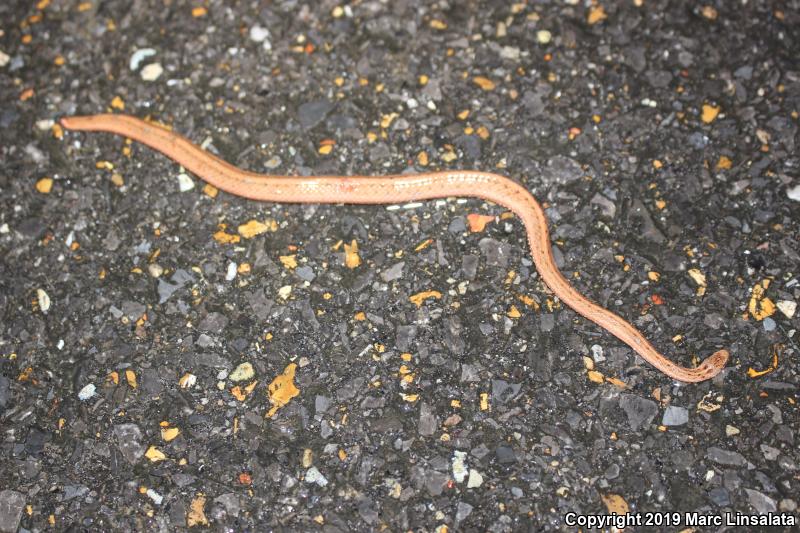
(391, 190)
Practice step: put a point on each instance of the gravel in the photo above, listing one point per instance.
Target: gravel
(172, 356)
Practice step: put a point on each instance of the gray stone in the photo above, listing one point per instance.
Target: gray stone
(675, 416)
(11, 505)
(640, 411)
(393, 272)
(762, 503)
(129, 441)
(427, 420)
(463, 510)
(312, 113)
(725, 457)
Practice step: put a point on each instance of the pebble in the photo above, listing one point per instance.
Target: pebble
(129, 441)
(731, 431)
(794, 193)
(312, 113)
(725, 457)
(475, 479)
(463, 510)
(315, 476)
(87, 392)
(258, 34)
(543, 36)
(242, 372)
(787, 307)
(459, 466)
(152, 71)
(761, 502)
(675, 416)
(597, 353)
(156, 497)
(12, 504)
(140, 55)
(43, 299)
(427, 420)
(185, 182)
(769, 324)
(640, 411)
(393, 272)
(230, 274)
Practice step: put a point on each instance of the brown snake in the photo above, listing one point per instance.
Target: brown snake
(392, 190)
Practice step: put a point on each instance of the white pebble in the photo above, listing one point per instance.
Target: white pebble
(543, 36)
(87, 392)
(43, 299)
(152, 71)
(285, 291)
(475, 479)
(794, 193)
(4, 59)
(315, 476)
(44, 124)
(787, 307)
(156, 497)
(4, 228)
(230, 275)
(412, 103)
(140, 55)
(459, 466)
(258, 33)
(185, 183)
(242, 372)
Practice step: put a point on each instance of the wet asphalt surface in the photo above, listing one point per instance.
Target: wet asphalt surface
(175, 357)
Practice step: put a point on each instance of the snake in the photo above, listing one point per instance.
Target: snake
(392, 190)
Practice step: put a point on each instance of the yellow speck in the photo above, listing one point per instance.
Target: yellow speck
(724, 163)
(282, 389)
(289, 261)
(595, 376)
(360, 316)
(84, 6)
(351, 257)
(386, 120)
(199, 12)
(484, 83)
(514, 312)
(596, 14)
(59, 60)
(437, 24)
(169, 434)
(118, 103)
(420, 297)
(44, 185)
(423, 79)
(253, 227)
(709, 113)
(154, 454)
(484, 403)
(653, 276)
(337, 12)
(130, 377)
(657, 164)
(463, 114)
(422, 158)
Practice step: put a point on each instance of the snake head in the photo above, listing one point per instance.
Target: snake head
(714, 364)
